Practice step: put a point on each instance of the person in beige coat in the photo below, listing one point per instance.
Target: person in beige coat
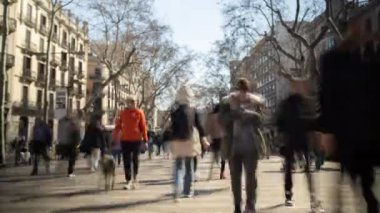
(188, 136)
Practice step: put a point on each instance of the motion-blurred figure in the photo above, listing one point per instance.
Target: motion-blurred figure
(349, 99)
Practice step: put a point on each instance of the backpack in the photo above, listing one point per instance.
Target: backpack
(182, 119)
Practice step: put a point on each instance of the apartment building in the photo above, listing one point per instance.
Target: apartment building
(113, 96)
(26, 45)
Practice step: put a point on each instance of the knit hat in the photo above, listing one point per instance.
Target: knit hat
(184, 95)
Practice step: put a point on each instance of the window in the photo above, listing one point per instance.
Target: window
(71, 104)
(51, 101)
(72, 44)
(55, 29)
(52, 75)
(98, 72)
(72, 64)
(25, 94)
(42, 45)
(64, 38)
(63, 80)
(43, 22)
(64, 58)
(27, 38)
(80, 67)
(41, 71)
(78, 104)
(39, 98)
(27, 66)
(29, 12)
(81, 47)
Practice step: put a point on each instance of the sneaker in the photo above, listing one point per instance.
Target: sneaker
(222, 176)
(71, 175)
(127, 186)
(289, 203)
(191, 195)
(93, 169)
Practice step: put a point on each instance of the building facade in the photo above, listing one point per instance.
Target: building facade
(26, 62)
(113, 96)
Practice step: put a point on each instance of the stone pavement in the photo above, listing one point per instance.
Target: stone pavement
(57, 193)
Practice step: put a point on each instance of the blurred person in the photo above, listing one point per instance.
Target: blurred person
(187, 135)
(295, 123)
(215, 131)
(116, 146)
(151, 142)
(349, 98)
(241, 122)
(132, 125)
(94, 142)
(41, 142)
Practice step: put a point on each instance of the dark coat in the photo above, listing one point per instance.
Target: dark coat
(93, 139)
(349, 98)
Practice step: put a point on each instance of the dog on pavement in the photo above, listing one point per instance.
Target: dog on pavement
(108, 169)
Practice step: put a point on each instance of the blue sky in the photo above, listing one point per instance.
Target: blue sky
(196, 24)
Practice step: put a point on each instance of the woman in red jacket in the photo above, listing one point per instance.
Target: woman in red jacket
(132, 125)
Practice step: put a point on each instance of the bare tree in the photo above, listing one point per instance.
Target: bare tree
(251, 20)
(122, 31)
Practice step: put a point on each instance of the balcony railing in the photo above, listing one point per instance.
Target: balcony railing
(29, 46)
(25, 107)
(40, 80)
(64, 66)
(41, 57)
(12, 24)
(44, 30)
(27, 76)
(29, 21)
(9, 60)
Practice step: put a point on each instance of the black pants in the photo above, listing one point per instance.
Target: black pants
(131, 152)
(195, 159)
(72, 153)
(38, 152)
(289, 152)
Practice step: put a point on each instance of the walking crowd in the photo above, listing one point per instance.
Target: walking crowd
(344, 127)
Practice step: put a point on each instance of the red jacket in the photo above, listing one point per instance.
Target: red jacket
(132, 124)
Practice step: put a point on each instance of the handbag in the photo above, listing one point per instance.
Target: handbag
(143, 147)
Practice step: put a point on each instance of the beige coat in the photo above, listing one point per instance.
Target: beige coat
(187, 148)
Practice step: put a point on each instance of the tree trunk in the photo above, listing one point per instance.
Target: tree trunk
(47, 54)
(2, 80)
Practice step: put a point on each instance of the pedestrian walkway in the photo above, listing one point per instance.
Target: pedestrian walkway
(58, 194)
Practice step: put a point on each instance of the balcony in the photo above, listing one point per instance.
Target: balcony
(55, 61)
(40, 82)
(25, 108)
(29, 21)
(64, 66)
(9, 60)
(27, 76)
(52, 84)
(41, 57)
(44, 30)
(12, 24)
(29, 47)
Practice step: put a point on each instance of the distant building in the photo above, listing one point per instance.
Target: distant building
(26, 62)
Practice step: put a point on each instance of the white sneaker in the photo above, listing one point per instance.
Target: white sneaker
(93, 169)
(127, 186)
(135, 184)
(71, 175)
(289, 203)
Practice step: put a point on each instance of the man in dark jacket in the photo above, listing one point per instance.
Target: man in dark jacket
(294, 122)
(350, 107)
(42, 139)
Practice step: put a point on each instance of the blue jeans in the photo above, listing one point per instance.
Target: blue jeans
(183, 184)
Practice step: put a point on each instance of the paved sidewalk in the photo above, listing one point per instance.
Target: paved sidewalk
(57, 193)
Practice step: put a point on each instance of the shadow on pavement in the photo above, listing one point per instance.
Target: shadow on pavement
(271, 207)
(57, 195)
(102, 208)
(28, 178)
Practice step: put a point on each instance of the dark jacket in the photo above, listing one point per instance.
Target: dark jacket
(193, 119)
(349, 98)
(294, 121)
(93, 139)
(42, 135)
